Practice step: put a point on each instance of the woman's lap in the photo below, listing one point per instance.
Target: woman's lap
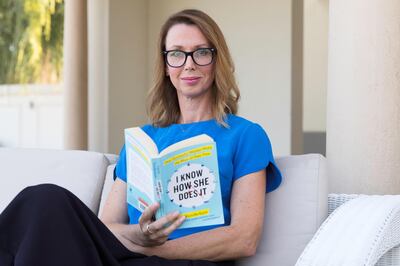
(47, 224)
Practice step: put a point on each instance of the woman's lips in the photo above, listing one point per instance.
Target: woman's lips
(191, 80)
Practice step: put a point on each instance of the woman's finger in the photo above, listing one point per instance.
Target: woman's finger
(164, 221)
(167, 229)
(148, 213)
(173, 226)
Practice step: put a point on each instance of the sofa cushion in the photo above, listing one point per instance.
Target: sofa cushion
(294, 211)
(108, 183)
(80, 172)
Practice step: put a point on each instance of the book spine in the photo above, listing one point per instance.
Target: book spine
(158, 188)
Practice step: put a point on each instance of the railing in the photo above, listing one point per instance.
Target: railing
(31, 116)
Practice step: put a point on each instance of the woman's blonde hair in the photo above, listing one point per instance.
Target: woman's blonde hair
(163, 106)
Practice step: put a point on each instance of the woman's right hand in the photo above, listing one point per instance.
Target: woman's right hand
(133, 236)
(154, 233)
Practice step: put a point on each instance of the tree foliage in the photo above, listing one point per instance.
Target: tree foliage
(31, 41)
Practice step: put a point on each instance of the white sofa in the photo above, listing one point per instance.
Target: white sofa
(294, 211)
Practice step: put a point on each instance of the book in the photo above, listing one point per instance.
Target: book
(183, 177)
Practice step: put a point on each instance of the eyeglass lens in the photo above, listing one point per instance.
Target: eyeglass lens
(201, 57)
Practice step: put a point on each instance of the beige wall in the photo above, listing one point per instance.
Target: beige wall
(258, 33)
(315, 64)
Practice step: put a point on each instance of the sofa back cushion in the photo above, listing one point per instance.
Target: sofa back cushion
(293, 212)
(80, 172)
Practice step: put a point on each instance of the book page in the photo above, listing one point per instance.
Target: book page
(143, 141)
(140, 173)
(140, 150)
(187, 142)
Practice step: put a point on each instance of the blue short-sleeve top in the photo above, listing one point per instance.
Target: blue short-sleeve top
(243, 148)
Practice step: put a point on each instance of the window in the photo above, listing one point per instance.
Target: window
(31, 67)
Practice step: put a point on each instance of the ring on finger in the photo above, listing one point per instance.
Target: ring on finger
(148, 229)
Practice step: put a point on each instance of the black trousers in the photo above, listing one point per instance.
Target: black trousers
(48, 225)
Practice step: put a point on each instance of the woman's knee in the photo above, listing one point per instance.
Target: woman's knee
(44, 193)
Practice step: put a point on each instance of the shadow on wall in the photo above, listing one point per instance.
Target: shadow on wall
(315, 142)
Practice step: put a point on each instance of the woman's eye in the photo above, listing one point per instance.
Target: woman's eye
(203, 52)
(176, 54)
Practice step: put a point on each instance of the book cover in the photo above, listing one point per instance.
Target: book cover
(183, 177)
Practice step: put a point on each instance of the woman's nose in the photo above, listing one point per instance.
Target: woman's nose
(190, 64)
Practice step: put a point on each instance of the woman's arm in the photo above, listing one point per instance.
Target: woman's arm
(240, 239)
(115, 213)
(115, 217)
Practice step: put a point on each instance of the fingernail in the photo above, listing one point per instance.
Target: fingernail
(176, 213)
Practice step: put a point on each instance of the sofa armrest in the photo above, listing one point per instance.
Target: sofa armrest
(359, 232)
(337, 200)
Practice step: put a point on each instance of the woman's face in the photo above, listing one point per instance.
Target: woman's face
(190, 80)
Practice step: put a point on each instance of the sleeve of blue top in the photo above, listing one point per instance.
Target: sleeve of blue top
(120, 168)
(254, 153)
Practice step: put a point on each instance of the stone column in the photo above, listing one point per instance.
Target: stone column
(98, 90)
(363, 105)
(75, 75)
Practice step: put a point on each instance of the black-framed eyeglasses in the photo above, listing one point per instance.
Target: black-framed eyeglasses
(201, 57)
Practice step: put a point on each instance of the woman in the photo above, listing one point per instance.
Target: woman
(194, 93)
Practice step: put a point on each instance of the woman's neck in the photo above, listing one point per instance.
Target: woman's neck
(193, 110)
